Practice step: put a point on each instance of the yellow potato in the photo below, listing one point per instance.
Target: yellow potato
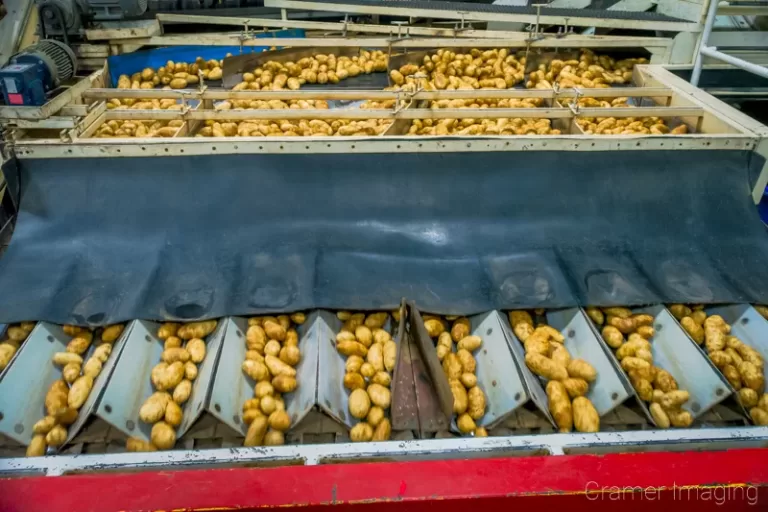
(351, 348)
(92, 367)
(634, 363)
(263, 389)
(353, 381)
(182, 391)
(80, 344)
(190, 370)
(361, 432)
(523, 331)
(256, 431)
(476, 408)
(345, 336)
(272, 348)
(167, 329)
(381, 336)
(751, 376)
(279, 420)
(748, 397)
(585, 417)
(298, 318)
(73, 330)
(375, 415)
(376, 320)
(694, 330)
(196, 329)
(56, 398)
(466, 424)
(643, 387)
(618, 312)
(759, 416)
(163, 436)
(560, 354)
(576, 387)
(7, 350)
(196, 349)
(596, 315)
(71, 372)
(460, 398)
(763, 402)
(274, 438)
(277, 367)
(285, 322)
(353, 364)
(470, 343)
(665, 381)
(251, 414)
(291, 338)
(255, 336)
(79, 392)
(65, 358)
(66, 416)
(460, 329)
(382, 378)
(537, 344)
(646, 331)
(37, 446)
(111, 333)
(613, 336)
(172, 355)
(659, 416)
(56, 436)
(434, 327)
(102, 352)
(645, 355)
(545, 367)
(290, 355)
(173, 414)
(468, 363)
(274, 330)
(452, 366)
(382, 431)
(364, 335)
(680, 418)
(376, 357)
(44, 425)
(284, 383)
(154, 407)
(379, 395)
(679, 310)
(359, 403)
(469, 380)
(560, 405)
(674, 399)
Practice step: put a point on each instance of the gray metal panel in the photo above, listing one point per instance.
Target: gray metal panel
(332, 396)
(130, 384)
(497, 373)
(535, 392)
(674, 352)
(100, 384)
(231, 387)
(24, 386)
(609, 389)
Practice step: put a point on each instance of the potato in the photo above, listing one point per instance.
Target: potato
(196, 329)
(646, 331)
(256, 370)
(625, 325)
(612, 336)
(182, 391)
(379, 395)
(476, 408)
(585, 417)
(37, 446)
(679, 418)
(274, 330)
(576, 387)
(560, 405)
(7, 350)
(523, 331)
(359, 403)
(256, 431)
(92, 367)
(190, 370)
(102, 352)
(673, 399)
(196, 349)
(537, 344)
(353, 364)
(751, 376)
(434, 327)
(56, 436)
(376, 357)
(694, 330)
(133, 444)
(284, 383)
(290, 355)
(172, 355)
(470, 343)
(73, 330)
(383, 431)
(634, 363)
(580, 369)
(659, 416)
(263, 389)
(364, 335)
(345, 336)
(279, 420)
(758, 415)
(361, 432)
(665, 381)
(381, 336)
(251, 414)
(65, 416)
(277, 367)
(596, 315)
(466, 424)
(274, 438)
(376, 320)
(382, 378)
(618, 312)
(272, 348)
(56, 398)
(112, 332)
(545, 367)
(255, 336)
(65, 358)
(353, 381)
(735, 357)
(460, 398)
(154, 407)
(167, 330)
(643, 388)
(44, 425)
(375, 415)
(468, 363)
(173, 414)
(460, 329)
(748, 397)
(80, 344)
(679, 310)
(291, 338)
(252, 355)
(469, 380)
(763, 402)
(351, 348)
(298, 318)
(71, 372)
(285, 322)
(452, 366)
(163, 436)
(560, 354)
(79, 392)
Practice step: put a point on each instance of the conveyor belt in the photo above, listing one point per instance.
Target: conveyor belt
(102, 240)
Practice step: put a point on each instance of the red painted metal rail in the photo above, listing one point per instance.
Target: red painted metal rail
(680, 481)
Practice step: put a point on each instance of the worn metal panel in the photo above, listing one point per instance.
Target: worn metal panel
(231, 387)
(611, 387)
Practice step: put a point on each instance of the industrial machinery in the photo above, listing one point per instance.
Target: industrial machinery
(388, 272)
(36, 72)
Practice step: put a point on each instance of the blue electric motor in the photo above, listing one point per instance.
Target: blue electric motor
(36, 71)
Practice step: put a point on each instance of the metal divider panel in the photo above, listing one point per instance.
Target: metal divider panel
(674, 352)
(332, 396)
(3, 328)
(201, 386)
(100, 383)
(534, 391)
(25, 384)
(231, 387)
(497, 373)
(405, 409)
(428, 355)
(611, 388)
(131, 385)
(608, 351)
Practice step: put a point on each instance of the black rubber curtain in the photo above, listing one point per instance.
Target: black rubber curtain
(111, 239)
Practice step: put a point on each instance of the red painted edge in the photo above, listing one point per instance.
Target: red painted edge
(389, 482)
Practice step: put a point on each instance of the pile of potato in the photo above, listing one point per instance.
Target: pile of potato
(16, 334)
(272, 354)
(589, 71)
(67, 395)
(144, 104)
(567, 379)
(460, 369)
(741, 364)
(653, 385)
(371, 354)
(446, 69)
(622, 125)
(317, 69)
(183, 349)
(134, 128)
(175, 75)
